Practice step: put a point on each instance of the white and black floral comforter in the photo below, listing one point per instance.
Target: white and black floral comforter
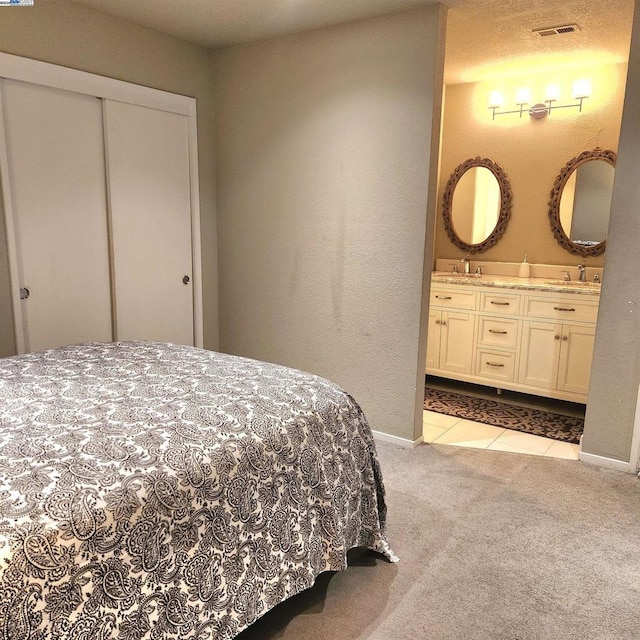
(160, 491)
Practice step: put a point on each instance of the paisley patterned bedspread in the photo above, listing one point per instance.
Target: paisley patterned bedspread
(158, 491)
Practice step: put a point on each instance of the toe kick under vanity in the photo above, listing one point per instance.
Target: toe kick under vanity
(533, 335)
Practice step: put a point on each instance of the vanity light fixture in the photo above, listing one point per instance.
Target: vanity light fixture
(581, 91)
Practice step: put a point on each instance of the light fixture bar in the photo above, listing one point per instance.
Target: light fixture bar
(520, 110)
(539, 110)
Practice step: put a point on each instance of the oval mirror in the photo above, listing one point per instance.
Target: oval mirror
(581, 201)
(476, 205)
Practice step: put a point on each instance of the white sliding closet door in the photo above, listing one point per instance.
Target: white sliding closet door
(150, 207)
(57, 200)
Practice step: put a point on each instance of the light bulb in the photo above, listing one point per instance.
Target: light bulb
(523, 96)
(495, 100)
(581, 88)
(553, 92)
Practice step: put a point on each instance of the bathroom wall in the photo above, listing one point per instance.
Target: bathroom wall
(615, 375)
(531, 152)
(72, 35)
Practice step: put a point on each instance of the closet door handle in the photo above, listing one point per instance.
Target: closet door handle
(186, 280)
(24, 293)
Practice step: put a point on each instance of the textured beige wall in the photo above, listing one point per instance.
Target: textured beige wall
(615, 375)
(323, 146)
(69, 34)
(531, 152)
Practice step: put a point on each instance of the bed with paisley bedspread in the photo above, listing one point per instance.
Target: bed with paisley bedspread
(156, 491)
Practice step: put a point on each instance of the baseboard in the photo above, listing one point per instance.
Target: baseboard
(401, 442)
(601, 461)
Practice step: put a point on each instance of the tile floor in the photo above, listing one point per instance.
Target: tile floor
(442, 429)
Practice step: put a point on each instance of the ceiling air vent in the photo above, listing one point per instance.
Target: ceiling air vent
(556, 31)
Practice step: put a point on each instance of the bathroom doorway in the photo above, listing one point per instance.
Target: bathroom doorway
(530, 151)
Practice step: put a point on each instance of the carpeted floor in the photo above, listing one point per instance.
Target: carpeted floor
(492, 546)
(510, 416)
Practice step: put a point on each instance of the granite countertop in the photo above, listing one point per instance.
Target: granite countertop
(513, 282)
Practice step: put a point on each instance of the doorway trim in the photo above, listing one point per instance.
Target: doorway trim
(634, 456)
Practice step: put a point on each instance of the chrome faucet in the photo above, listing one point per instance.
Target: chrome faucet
(454, 267)
(467, 266)
(583, 273)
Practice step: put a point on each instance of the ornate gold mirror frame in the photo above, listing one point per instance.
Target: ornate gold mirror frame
(556, 195)
(503, 214)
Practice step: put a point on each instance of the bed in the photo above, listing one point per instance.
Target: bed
(157, 491)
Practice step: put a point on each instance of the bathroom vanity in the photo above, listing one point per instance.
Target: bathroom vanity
(533, 335)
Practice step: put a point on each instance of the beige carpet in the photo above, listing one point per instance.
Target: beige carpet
(493, 546)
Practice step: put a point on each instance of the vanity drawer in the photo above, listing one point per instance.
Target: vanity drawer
(565, 308)
(495, 365)
(453, 297)
(503, 303)
(497, 332)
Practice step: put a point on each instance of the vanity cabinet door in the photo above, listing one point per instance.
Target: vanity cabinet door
(576, 354)
(450, 341)
(456, 341)
(540, 353)
(557, 356)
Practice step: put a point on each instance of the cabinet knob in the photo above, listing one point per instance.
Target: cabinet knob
(556, 337)
(437, 321)
(443, 322)
(564, 338)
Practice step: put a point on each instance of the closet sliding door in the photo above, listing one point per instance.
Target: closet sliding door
(147, 154)
(55, 171)
(99, 182)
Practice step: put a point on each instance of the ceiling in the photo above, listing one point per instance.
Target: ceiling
(485, 38)
(493, 38)
(215, 23)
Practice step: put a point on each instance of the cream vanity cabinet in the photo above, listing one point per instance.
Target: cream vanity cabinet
(451, 330)
(534, 341)
(557, 346)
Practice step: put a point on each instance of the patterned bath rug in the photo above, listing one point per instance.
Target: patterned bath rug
(500, 414)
